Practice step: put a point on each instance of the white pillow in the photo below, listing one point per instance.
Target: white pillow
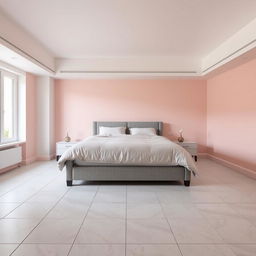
(143, 131)
(111, 131)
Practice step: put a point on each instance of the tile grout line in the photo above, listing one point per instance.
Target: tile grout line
(40, 221)
(83, 221)
(169, 225)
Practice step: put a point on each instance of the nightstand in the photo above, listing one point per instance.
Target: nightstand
(62, 146)
(191, 147)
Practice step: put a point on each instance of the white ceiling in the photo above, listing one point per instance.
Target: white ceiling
(126, 28)
(18, 61)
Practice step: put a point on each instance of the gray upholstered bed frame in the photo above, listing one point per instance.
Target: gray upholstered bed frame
(77, 171)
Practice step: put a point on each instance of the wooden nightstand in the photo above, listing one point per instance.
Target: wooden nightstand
(191, 147)
(62, 146)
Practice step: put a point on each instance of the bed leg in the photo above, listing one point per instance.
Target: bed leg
(187, 177)
(69, 173)
(69, 183)
(187, 183)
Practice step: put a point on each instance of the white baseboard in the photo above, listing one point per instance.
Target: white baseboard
(203, 155)
(29, 160)
(248, 172)
(6, 169)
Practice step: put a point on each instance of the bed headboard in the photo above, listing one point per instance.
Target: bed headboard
(157, 125)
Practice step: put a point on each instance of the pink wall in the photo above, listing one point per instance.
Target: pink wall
(231, 115)
(30, 147)
(178, 103)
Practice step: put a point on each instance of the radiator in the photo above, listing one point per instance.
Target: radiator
(10, 156)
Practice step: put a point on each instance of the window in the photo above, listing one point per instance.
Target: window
(8, 107)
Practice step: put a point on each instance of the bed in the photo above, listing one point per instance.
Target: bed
(77, 169)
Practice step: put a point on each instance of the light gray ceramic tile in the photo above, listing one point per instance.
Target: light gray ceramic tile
(80, 196)
(196, 214)
(247, 211)
(175, 197)
(236, 196)
(244, 250)
(16, 196)
(144, 211)
(204, 197)
(110, 197)
(113, 188)
(142, 197)
(152, 250)
(102, 231)
(51, 231)
(209, 250)
(30, 211)
(152, 187)
(7, 249)
(58, 185)
(42, 250)
(46, 197)
(68, 209)
(15, 230)
(174, 211)
(107, 210)
(84, 187)
(234, 229)
(6, 208)
(229, 224)
(149, 232)
(98, 250)
(216, 211)
(194, 231)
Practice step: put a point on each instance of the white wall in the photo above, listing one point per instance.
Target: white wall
(45, 118)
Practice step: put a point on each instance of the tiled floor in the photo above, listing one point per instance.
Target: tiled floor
(39, 215)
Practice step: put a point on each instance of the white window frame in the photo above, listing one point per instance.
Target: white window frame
(14, 77)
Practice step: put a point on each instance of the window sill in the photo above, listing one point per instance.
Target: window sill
(10, 144)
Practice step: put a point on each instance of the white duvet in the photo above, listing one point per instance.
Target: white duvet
(129, 150)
